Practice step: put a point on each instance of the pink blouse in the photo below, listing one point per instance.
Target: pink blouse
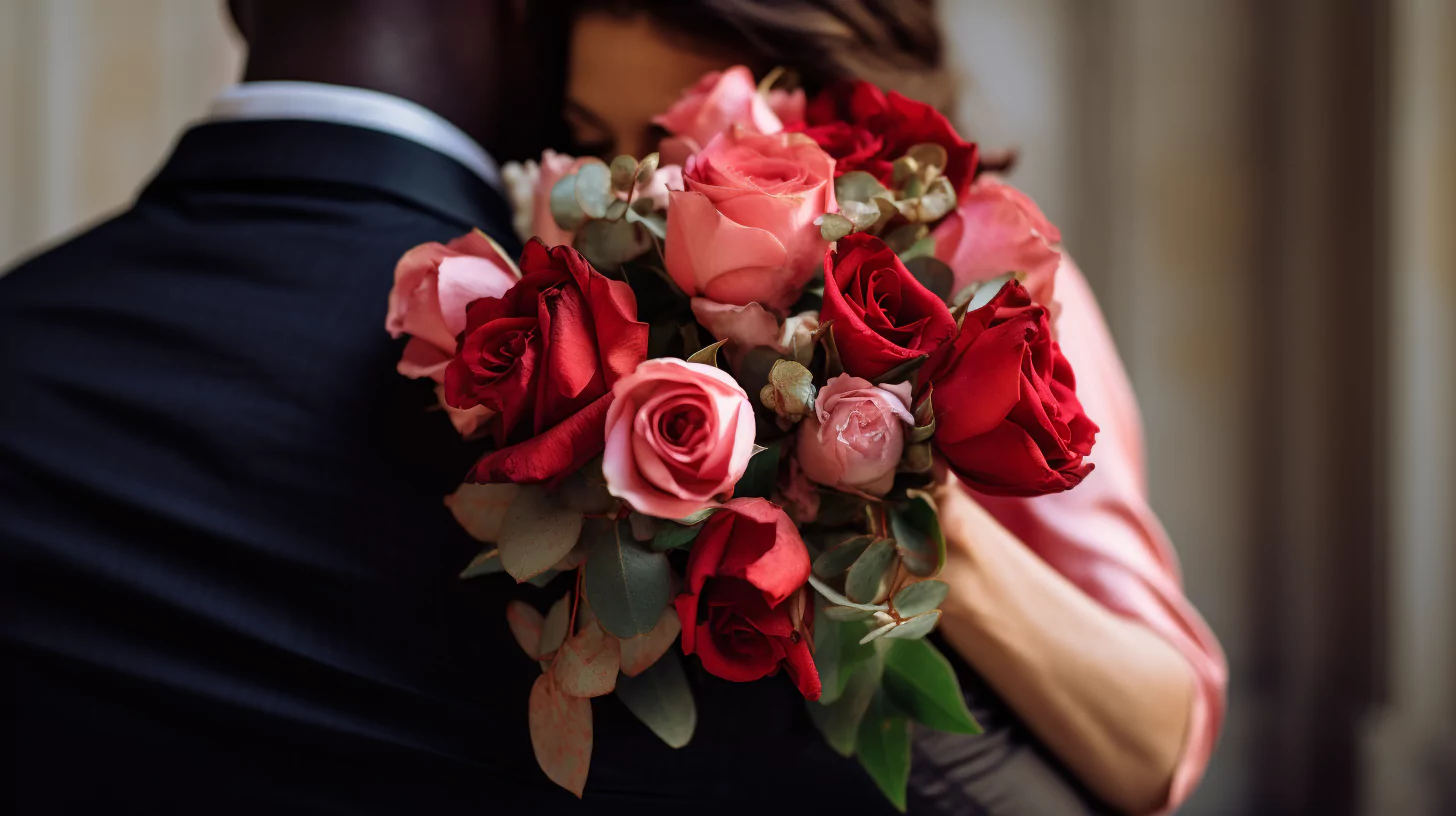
(1104, 537)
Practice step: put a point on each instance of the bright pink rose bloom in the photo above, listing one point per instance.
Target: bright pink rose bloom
(752, 326)
(743, 230)
(720, 100)
(997, 229)
(433, 283)
(856, 435)
(744, 607)
(679, 436)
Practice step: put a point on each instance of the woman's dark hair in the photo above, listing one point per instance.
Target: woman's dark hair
(895, 44)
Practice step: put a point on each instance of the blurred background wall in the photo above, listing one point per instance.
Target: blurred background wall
(1264, 197)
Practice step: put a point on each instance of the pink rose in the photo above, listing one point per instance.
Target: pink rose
(788, 106)
(720, 100)
(433, 283)
(554, 167)
(855, 438)
(679, 436)
(743, 230)
(997, 229)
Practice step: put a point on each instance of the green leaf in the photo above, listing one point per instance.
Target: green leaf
(561, 733)
(932, 273)
(928, 154)
(587, 663)
(839, 720)
(594, 188)
(525, 624)
(761, 475)
(628, 586)
(901, 373)
(916, 525)
(540, 580)
(923, 248)
(707, 355)
(586, 490)
(916, 627)
(862, 215)
(922, 683)
(839, 509)
(833, 366)
(878, 632)
(834, 561)
(553, 630)
(486, 563)
(609, 244)
(616, 210)
(883, 748)
(834, 597)
(655, 223)
(624, 173)
(869, 578)
(661, 699)
(671, 535)
(537, 532)
(833, 226)
(564, 210)
(846, 613)
(647, 167)
(480, 508)
(639, 653)
(837, 655)
(858, 185)
(919, 598)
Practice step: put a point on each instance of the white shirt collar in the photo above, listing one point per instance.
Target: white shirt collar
(315, 101)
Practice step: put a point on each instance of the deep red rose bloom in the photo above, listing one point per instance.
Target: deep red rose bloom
(1007, 418)
(882, 316)
(866, 129)
(745, 610)
(544, 357)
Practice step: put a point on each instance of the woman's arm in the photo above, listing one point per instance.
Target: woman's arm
(1072, 606)
(1107, 695)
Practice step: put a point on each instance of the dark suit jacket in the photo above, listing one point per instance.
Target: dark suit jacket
(227, 579)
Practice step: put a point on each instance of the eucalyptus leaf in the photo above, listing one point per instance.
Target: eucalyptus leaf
(761, 475)
(586, 490)
(594, 188)
(929, 154)
(868, 581)
(628, 585)
(903, 171)
(609, 244)
(661, 699)
(839, 720)
(920, 249)
(835, 561)
(480, 508)
(616, 210)
(537, 532)
(918, 537)
(863, 215)
(846, 613)
(918, 457)
(919, 597)
(878, 632)
(540, 580)
(883, 748)
(988, 290)
(561, 733)
(486, 563)
(565, 211)
(624, 173)
(834, 597)
(525, 624)
(588, 662)
(901, 238)
(922, 684)
(933, 274)
(916, 627)
(553, 629)
(833, 226)
(707, 355)
(653, 222)
(857, 185)
(671, 535)
(647, 167)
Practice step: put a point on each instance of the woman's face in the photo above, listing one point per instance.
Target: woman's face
(624, 71)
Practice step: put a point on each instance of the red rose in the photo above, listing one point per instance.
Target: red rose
(865, 129)
(882, 316)
(744, 608)
(544, 356)
(1007, 418)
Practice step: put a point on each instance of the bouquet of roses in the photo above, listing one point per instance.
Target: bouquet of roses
(714, 391)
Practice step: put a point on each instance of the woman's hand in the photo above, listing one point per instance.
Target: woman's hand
(1107, 695)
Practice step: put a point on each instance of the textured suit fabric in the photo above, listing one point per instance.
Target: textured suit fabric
(227, 578)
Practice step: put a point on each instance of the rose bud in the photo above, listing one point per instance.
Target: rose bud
(679, 437)
(856, 437)
(1007, 418)
(790, 390)
(744, 607)
(883, 318)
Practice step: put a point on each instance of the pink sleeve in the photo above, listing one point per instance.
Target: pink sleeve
(1104, 537)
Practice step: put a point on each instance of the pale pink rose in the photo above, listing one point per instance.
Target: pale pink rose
(679, 436)
(856, 436)
(718, 101)
(659, 188)
(743, 230)
(554, 167)
(433, 283)
(752, 326)
(788, 106)
(997, 229)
